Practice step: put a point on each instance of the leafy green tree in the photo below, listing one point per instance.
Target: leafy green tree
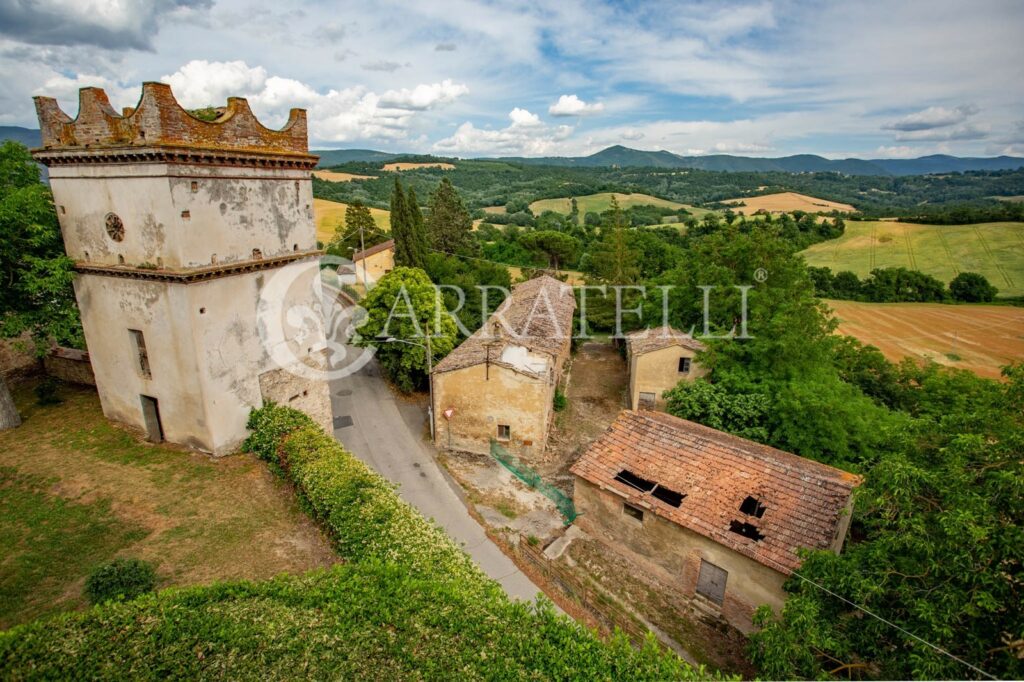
(893, 285)
(467, 275)
(612, 260)
(939, 549)
(971, 287)
(744, 414)
(405, 305)
(449, 224)
(357, 232)
(36, 295)
(558, 247)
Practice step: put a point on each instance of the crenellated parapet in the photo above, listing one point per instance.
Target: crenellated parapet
(159, 121)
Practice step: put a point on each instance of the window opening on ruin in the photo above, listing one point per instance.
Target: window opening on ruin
(186, 215)
(139, 344)
(752, 507)
(151, 418)
(746, 530)
(296, 191)
(86, 255)
(647, 400)
(504, 432)
(63, 210)
(684, 365)
(295, 247)
(213, 259)
(115, 228)
(633, 512)
(202, 311)
(711, 582)
(634, 481)
(257, 254)
(195, 186)
(668, 496)
(120, 259)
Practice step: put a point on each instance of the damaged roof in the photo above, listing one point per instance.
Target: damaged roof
(796, 502)
(647, 340)
(537, 315)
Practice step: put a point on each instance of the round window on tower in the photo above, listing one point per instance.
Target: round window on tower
(115, 228)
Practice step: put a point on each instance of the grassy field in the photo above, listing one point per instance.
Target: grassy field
(76, 491)
(979, 338)
(329, 214)
(995, 250)
(786, 202)
(603, 201)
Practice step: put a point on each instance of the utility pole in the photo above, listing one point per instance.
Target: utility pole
(362, 251)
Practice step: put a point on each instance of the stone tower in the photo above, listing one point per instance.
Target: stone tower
(177, 227)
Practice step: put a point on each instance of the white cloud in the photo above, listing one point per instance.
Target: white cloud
(340, 115)
(200, 83)
(632, 135)
(571, 105)
(897, 152)
(526, 135)
(742, 147)
(425, 96)
(933, 117)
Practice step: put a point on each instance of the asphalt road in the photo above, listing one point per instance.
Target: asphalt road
(388, 435)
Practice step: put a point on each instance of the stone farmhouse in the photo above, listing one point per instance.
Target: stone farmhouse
(374, 262)
(711, 521)
(499, 384)
(659, 358)
(177, 226)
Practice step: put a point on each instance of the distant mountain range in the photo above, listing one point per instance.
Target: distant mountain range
(625, 157)
(800, 163)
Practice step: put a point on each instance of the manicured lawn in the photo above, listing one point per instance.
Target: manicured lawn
(996, 250)
(76, 491)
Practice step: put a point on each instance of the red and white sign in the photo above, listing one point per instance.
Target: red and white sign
(448, 413)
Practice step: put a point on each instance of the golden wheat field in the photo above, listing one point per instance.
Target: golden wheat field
(786, 202)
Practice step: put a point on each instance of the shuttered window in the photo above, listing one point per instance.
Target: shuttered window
(711, 582)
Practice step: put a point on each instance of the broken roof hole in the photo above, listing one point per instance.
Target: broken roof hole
(746, 530)
(752, 507)
(631, 479)
(668, 496)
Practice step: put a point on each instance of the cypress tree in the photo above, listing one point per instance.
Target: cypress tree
(400, 228)
(419, 242)
(449, 224)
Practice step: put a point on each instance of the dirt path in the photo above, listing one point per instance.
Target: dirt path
(78, 491)
(596, 386)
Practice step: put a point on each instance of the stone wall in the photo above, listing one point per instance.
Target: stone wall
(658, 371)
(482, 399)
(16, 356)
(70, 365)
(668, 557)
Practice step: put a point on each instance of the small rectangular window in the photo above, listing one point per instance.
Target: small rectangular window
(647, 400)
(711, 582)
(633, 512)
(195, 186)
(139, 344)
(684, 365)
(504, 432)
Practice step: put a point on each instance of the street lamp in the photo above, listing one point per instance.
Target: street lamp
(430, 373)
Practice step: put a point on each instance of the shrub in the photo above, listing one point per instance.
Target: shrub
(119, 580)
(970, 287)
(46, 392)
(560, 401)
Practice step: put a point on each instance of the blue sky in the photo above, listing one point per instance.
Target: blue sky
(468, 78)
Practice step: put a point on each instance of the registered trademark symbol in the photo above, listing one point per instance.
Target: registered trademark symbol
(761, 275)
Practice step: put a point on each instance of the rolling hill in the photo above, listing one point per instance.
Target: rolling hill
(942, 251)
(800, 163)
(27, 136)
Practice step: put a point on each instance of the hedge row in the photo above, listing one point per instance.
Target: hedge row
(406, 604)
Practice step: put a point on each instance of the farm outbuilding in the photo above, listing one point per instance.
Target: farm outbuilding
(499, 384)
(709, 520)
(659, 358)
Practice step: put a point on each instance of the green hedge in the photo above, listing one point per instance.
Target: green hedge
(407, 603)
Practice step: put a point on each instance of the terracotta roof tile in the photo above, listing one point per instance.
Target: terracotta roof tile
(537, 315)
(647, 340)
(716, 471)
(383, 246)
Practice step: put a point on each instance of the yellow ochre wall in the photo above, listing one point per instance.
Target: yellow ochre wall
(658, 371)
